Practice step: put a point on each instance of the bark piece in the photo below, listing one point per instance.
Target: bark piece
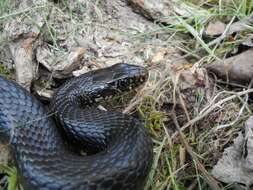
(154, 10)
(22, 55)
(62, 65)
(164, 10)
(22, 32)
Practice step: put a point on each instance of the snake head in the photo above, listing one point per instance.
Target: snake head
(120, 77)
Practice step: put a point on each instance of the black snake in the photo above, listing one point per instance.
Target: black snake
(122, 145)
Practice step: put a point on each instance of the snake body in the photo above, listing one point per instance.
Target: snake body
(122, 146)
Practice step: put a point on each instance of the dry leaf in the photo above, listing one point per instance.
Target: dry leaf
(236, 164)
(159, 56)
(215, 28)
(238, 69)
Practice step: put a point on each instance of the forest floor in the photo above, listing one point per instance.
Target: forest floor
(192, 115)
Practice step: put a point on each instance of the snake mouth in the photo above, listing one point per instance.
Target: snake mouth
(129, 79)
(117, 80)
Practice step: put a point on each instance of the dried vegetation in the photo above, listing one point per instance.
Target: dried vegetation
(192, 115)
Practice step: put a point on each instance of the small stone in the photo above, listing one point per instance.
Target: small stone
(215, 28)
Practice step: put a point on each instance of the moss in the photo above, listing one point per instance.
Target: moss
(4, 72)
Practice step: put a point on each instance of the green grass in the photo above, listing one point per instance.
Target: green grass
(12, 176)
(165, 173)
(4, 5)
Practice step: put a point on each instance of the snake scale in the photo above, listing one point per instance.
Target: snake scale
(119, 147)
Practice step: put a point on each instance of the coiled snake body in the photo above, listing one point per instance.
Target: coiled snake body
(44, 160)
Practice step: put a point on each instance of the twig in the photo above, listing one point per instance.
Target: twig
(240, 112)
(176, 92)
(210, 180)
(211, 108)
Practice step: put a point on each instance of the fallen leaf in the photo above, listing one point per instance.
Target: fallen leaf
(215, 28)
(241, 25)
(159, 56)
(237, 69)
(236, 164)
(248, 41)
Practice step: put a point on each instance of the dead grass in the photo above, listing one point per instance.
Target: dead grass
(183, 157)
